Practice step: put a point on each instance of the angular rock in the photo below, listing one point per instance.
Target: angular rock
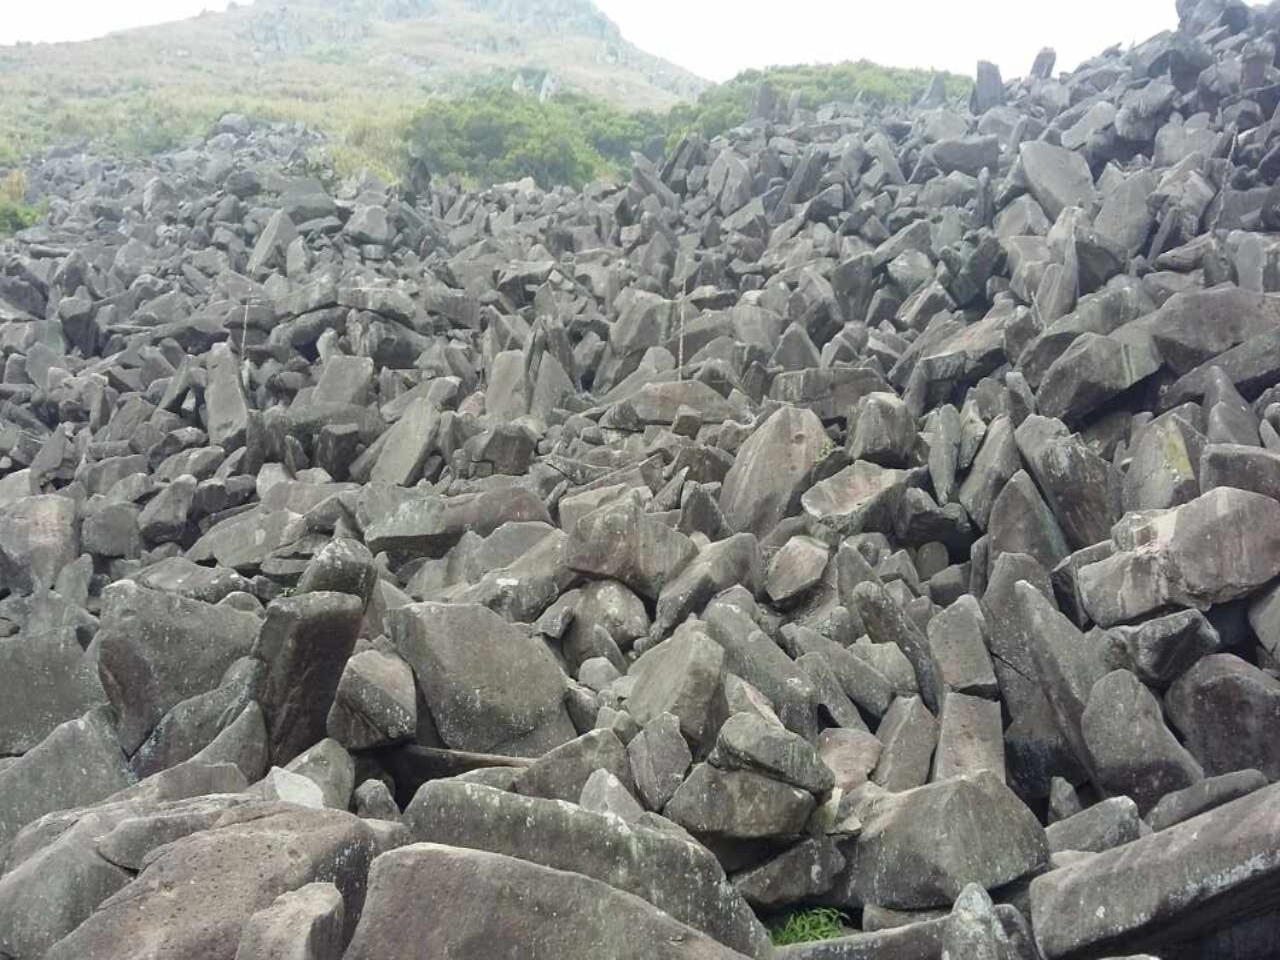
(487, 684)
(1157, 891)
(1130, 749)
(305, 642)
(420, 898)
(920, 848)
(771, 470)
(305, 924)
(287, 849)
(665, 869)
(156, 650)
(1226, 710)
(738, 804)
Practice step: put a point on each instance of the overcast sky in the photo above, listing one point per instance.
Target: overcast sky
(717, 38)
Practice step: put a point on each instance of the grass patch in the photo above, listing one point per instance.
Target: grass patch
(15, 213)
(806, 926)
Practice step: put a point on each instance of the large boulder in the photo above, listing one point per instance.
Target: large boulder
(79, 763)
(157, 649)
(38, 537)
(193, 897)
(667, 870)
(1219, 547)
(622, 542)
(429, 900)
(919, 849)
(1166, 890)
(772, 469)
(1227, 711)
(305, 643)
(489, 686)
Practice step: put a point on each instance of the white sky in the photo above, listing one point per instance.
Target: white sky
(718, 38)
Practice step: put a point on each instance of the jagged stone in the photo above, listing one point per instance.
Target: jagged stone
(921, 848)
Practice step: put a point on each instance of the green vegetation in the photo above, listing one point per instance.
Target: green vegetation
(493, 135)
(15, 213)
(386, 77)
(729, 105)
(806, 926)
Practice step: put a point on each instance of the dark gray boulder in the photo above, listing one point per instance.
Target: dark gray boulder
(487, 684)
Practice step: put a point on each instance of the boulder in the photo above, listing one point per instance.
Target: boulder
(422, 898)
(488, 685)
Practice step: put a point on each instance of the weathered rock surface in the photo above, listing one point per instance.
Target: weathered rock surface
(808, 518)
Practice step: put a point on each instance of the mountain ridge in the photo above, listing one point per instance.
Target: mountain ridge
(360, 66)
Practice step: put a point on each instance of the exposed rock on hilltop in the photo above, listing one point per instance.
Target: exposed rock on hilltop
(867, 508)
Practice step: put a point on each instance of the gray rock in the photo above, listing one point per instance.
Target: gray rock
(974, 929)
(749, 742)
(771, 470)
(1171, 566)
(305, 642)
(1130, 749)
(996, 462)
(738, 804)
(193, 724)
(795, 569)
(667, 870)
(1057, 178)
(375, 704)
(562, 773)
(807, 870)
(38, 537)
(1111, 823)
(970, 738)
(851, 755)
(410, 889)
(887, 624)
(331, 768)
(1203, 796)
(342, 565)
(733, 561)
(500, 691)
(659, 758)
(156, 650)
(909, 734)
(1163, 648)
(45, 680)
(958, 650)
(288, 848)
(1092, 371)
(605, 793)
(1074, 480)
(79, 763)
(860, 498)
(921, 848)
(304, 924)
(373, 801)
(1150, 894)
(1225, 710)
(680, 677)
(882, 431)
(624, 543)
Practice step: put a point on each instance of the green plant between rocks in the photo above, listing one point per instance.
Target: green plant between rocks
(15, 213)
(806, 926)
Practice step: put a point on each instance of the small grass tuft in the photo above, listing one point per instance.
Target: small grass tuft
(15, 213)
(806, 926)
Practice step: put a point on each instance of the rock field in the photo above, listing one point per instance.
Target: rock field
(873, 508)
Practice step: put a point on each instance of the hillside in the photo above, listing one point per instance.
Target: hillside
(356, 68)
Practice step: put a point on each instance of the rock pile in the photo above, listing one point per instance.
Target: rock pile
(872, 508)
